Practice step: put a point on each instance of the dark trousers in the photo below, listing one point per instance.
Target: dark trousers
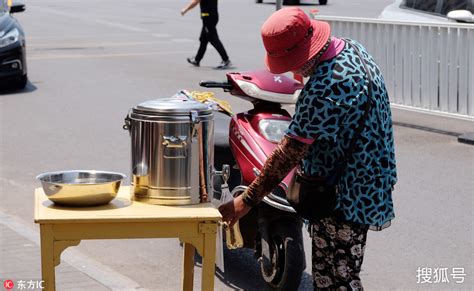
(209, 34)
(337, 254)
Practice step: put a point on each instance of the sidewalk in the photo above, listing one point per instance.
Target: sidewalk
(461, 127)
(20, 262)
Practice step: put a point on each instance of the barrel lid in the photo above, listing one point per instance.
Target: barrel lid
(172, 106)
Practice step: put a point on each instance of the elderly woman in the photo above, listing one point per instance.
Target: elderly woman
(344, 99)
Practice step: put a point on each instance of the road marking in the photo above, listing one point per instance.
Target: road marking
(92, 56)
(86, 19)
(160, 35)
(100, 37)
(183, 40)
(94, 269)
(100, 45)
(95, 45)
(119, 25)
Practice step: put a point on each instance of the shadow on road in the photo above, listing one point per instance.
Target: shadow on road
(4, 90)
(242, 271)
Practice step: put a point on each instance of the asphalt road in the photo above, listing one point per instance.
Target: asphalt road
(91, 61)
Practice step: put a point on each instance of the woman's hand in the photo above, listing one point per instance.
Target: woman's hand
(183, 11)
(233, 210)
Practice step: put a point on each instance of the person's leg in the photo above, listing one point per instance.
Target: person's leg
(350, 246)
(323, 233)
(210, 23)
(204, 39)
(338, 251)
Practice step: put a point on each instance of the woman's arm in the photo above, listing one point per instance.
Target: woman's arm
(280, 162)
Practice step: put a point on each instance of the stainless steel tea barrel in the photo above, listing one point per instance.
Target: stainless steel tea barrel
(172, 151)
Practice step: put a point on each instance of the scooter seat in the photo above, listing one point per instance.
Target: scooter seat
(263, 85)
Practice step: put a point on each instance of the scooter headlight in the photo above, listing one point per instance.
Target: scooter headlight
(273, 129)
(10, 37)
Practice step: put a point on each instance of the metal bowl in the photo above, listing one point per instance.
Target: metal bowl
(81, 187)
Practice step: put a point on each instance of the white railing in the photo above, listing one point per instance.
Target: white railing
(426, 66)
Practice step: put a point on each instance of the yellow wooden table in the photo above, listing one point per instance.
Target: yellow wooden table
(61, 227)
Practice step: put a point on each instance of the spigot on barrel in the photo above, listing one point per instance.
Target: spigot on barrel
(224, 173)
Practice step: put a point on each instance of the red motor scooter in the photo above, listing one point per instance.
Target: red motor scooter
(244, 141)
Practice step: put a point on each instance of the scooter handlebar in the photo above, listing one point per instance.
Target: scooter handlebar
(213, 84)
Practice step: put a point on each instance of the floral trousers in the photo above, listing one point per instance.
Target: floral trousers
(337, 253)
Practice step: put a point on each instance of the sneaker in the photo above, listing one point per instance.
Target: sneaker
(224, 65)
(193, 62)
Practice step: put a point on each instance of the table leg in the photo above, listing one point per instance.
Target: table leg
(188, 266)
(208, 261)
(47, 257)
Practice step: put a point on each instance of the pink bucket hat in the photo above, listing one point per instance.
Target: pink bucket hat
(291, 39)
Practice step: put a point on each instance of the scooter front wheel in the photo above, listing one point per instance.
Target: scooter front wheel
(287, 255)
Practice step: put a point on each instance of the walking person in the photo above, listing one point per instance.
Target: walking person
(345, 97)
(210, 17)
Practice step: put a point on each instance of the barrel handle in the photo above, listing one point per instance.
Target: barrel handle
(127, 119)
(175, 143)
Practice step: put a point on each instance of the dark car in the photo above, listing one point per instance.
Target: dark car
(13, 72)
